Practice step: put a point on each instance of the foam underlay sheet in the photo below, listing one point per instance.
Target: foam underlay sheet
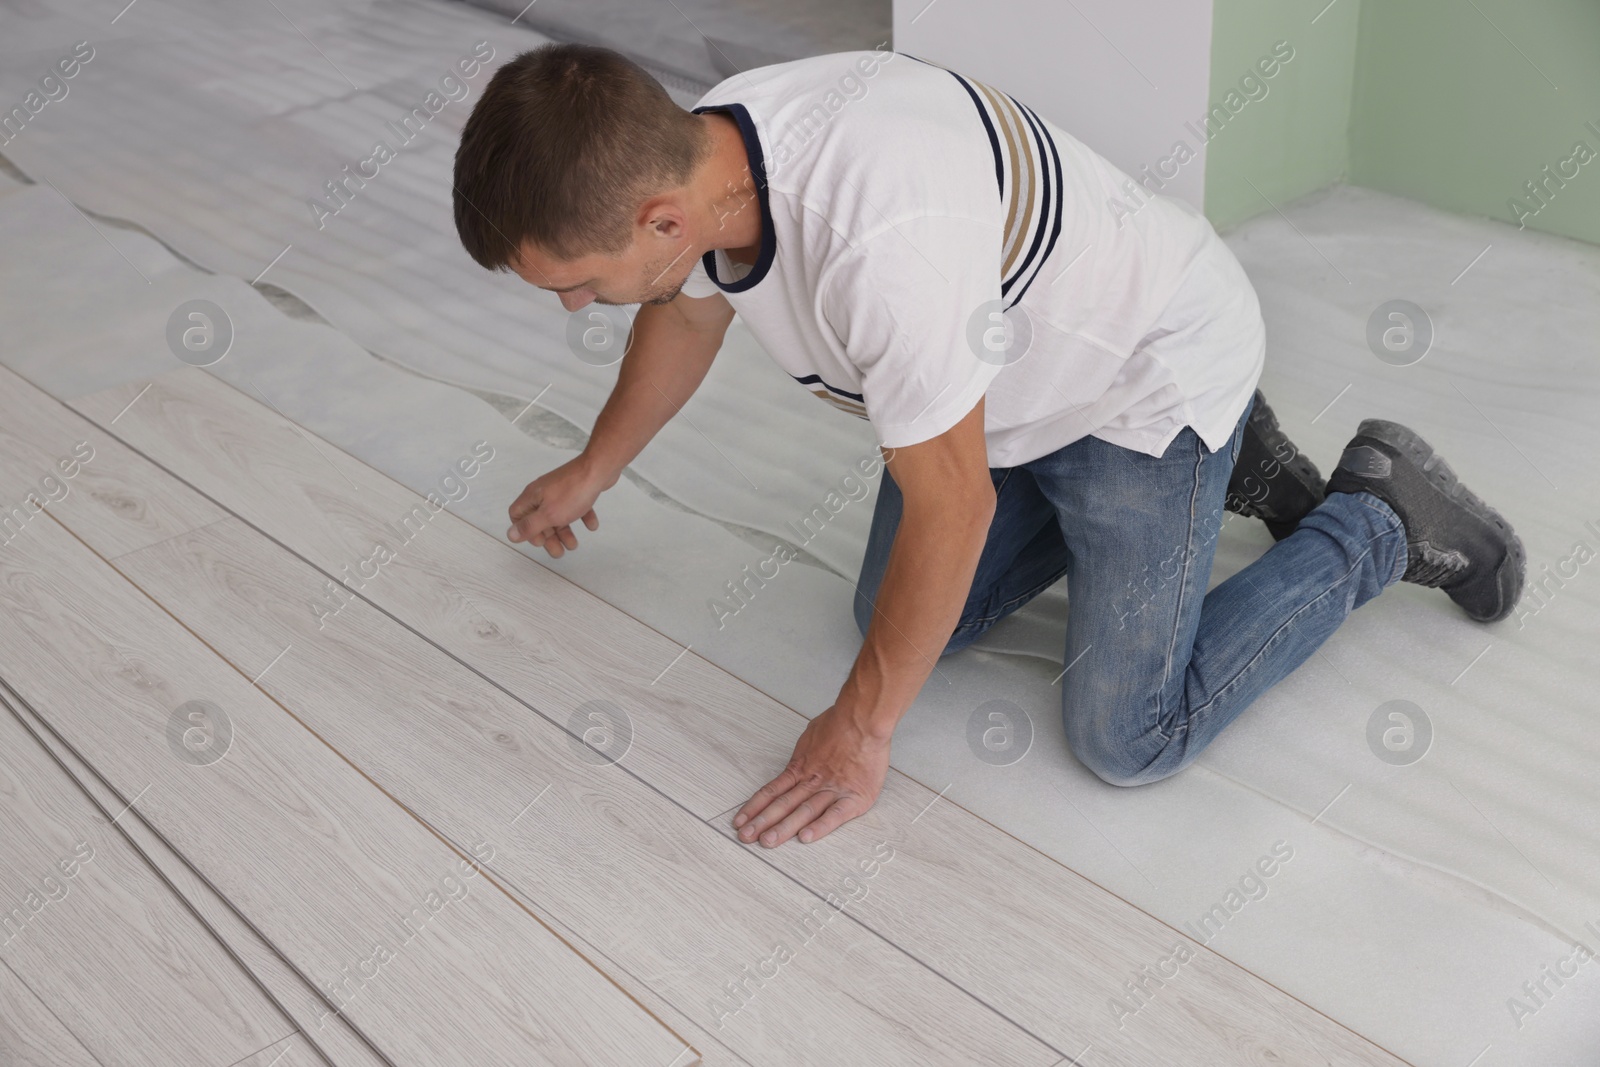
(1420, 898)
(216, 125)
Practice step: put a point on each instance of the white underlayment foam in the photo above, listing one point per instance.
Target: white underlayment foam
(1495, 826)
(224, 173)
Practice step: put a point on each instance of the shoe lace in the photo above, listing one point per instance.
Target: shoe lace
(1431, 566)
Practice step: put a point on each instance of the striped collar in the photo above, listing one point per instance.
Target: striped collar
(758, 171)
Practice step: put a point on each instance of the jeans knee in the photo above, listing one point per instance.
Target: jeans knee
(1111, 768)
(1113, 762)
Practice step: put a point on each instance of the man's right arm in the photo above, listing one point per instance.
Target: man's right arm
(668, 356)
(669, 353)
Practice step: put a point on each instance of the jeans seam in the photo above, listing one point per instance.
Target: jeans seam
(1183, 594)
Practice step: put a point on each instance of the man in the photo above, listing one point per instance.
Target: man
(1060, 387)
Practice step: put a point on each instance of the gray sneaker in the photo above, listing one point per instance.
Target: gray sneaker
(1454, 541)
(1272, 480)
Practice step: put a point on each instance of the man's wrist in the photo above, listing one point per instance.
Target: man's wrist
(873, 718)
(598, 470)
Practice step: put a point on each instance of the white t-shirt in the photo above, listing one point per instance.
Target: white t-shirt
(917, 225)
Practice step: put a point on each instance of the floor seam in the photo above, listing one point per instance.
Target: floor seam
(52, 1013)
(878, 935)
(29, 713)
(653, 788)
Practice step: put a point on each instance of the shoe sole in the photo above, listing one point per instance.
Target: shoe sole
(1443, 478)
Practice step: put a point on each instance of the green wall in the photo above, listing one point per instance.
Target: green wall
(1295, 138)
(1457, 103)
(1451, 110)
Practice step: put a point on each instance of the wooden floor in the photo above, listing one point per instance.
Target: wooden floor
(293, 771)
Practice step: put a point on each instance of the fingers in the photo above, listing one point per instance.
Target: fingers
(524, 525)
(839, 812)
(555, 540)
(529, 526)
(531, 529)
(526, 501)
(788, 813)
(808, 820)
(751, 818)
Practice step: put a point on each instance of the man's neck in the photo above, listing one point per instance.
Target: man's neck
(735, 204)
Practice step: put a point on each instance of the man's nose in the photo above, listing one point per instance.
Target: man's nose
(576, 299)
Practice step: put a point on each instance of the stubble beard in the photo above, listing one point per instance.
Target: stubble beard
(657, 293)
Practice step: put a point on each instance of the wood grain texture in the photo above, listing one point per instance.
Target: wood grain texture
(430, 968)
(338, 1043)
(1054, 951)
(29, 1035)
(300, 1002)
(292, 1051)
(114, 494)
(1040, 943)
(700, 737)
(97, 936)
(643, 879)
(713, 1053)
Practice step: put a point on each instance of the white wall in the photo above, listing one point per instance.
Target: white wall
(1122, 77)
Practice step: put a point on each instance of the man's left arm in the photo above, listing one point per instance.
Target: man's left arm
(842, 757)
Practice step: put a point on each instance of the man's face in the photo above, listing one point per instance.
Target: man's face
(649, 271)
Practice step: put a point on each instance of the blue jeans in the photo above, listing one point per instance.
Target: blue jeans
(1156, 666)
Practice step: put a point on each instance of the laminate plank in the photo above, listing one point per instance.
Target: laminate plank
(292, 1051)
(338, 1043)
(1078, 966)
(29, 1035)
(305, 1008)
(703, 741)
(64, 462)
(645, 880)
(330, 1034)
(713, 1053)
(1027, 944)
(430, 965)
(107, 947)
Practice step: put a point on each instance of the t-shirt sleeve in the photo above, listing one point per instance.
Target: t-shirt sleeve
(699, 284)
(902, 304)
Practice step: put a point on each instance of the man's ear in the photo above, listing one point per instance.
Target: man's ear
(663, 216)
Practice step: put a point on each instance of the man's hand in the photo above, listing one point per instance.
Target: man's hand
(668, 353)
(835, 774)
(543, 513)
(841, 759)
